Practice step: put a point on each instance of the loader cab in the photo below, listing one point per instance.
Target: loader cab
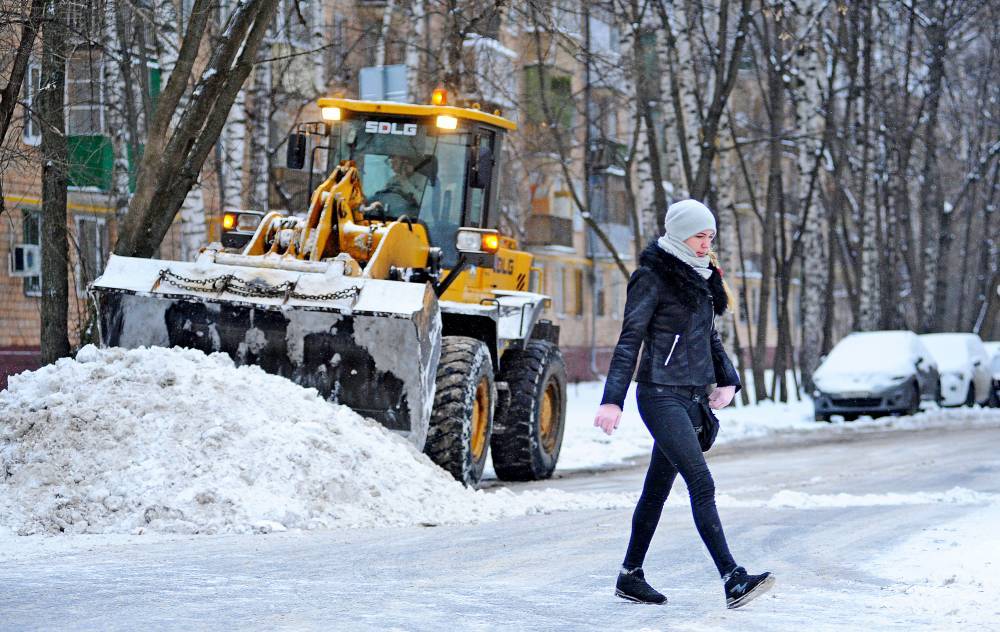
(436, 165)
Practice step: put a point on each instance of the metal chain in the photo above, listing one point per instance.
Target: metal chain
(235, 285)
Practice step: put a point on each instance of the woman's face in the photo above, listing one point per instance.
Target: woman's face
(701, 243)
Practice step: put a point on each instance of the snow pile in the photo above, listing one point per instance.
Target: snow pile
(173, 441)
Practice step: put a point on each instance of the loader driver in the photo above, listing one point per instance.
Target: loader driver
(402, 192)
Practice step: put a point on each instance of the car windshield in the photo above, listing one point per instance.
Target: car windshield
(871, 352)
(412, 170)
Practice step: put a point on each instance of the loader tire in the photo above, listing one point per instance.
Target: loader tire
(458, 435)
(527, 435)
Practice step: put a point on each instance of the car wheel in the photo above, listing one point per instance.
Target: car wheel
(916, 400)
(970, 397)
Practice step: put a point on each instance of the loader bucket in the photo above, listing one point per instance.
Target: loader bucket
(370, 344)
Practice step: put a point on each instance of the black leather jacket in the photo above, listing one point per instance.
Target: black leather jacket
(670, 309)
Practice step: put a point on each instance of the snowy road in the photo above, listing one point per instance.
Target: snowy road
(903, 549)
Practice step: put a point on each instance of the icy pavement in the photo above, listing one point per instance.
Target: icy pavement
(881, 531)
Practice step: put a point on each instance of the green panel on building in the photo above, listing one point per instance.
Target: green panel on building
(90, 161)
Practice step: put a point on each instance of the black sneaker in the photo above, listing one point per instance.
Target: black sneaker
(742, 588)
(632, 586)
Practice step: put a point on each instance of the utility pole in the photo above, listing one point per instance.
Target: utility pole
(587, 152)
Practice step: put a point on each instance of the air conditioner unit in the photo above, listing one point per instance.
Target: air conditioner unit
(25, 260)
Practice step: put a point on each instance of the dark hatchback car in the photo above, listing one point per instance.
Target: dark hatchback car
(875, 373)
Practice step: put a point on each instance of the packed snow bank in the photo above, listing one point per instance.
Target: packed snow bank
(174, 441)
(585, 446)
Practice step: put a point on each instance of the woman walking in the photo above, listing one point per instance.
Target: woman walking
(671, 304)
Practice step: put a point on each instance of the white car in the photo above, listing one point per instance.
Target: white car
(964, 367)
(874, 373)
(993, 351)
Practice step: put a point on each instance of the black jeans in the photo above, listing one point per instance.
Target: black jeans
(671, 414)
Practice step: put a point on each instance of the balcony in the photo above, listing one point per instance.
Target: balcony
(549, 230)
(494, 81)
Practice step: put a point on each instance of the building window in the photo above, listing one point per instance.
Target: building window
(81, 20)
(545, 87)
(84, 97)
(556, 282)
(31, 226)
(577, 292)
(92, 240)
(599, 291)
(567, 16)
(32, 133)
(614, 294)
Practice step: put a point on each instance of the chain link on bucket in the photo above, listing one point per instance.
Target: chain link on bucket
(235, 285)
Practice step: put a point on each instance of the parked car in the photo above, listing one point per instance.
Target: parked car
(964, 367)
(873, 373)
(993, 351)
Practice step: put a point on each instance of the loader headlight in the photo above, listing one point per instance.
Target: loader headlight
(447, 122)
(243, 220)
(467, 240)
(331, 114)
(473, 240)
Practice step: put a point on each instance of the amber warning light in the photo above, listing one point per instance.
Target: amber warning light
(491, 242)
(439, 96)
(229, 221)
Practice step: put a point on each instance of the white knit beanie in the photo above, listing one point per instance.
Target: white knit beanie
(687, 218)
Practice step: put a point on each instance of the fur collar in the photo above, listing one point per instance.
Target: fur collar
(681, 278)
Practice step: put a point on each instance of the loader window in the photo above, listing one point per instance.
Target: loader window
(421, 174)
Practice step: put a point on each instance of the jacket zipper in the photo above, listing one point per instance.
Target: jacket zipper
(671, 354)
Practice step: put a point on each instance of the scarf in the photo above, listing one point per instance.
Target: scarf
(682, 251)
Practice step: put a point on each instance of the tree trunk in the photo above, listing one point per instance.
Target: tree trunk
(871, 247)
(814, 255)
(773, 51)
(935, 223)
(55, 248)
(259, 113)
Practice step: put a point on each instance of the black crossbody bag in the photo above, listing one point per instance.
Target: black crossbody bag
(709, 428)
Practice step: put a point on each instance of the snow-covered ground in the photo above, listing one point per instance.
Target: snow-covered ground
(156, 472)
(886, 531)
(584, 446)
(173, 441)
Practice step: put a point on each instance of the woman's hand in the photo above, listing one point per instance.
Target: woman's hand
(721, 396)
(608, 416)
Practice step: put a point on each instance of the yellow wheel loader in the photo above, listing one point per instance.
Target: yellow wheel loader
(393, 292)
